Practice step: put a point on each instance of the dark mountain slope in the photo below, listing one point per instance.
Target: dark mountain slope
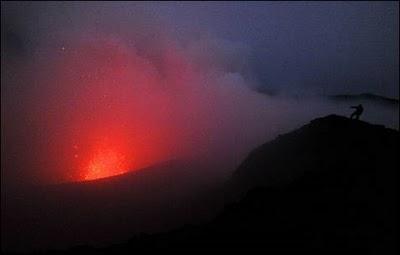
(332, 145)
(340, 197)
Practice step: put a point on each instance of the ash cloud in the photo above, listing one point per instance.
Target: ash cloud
(174, 87)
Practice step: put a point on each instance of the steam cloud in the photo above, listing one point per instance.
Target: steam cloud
(130, 94)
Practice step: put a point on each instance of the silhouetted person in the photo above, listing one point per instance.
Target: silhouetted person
(357, 113)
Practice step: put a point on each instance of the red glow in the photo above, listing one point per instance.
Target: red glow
(106, 162)
(103, 109)
(104, 115)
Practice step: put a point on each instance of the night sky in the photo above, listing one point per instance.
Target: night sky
(300, 47)
(95, 89)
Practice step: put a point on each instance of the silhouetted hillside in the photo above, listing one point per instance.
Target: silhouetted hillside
(332, 144)
(326, 188)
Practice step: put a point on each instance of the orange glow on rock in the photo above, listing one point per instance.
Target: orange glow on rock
(105, 163)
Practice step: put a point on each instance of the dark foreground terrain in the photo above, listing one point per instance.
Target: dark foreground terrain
(326, 188)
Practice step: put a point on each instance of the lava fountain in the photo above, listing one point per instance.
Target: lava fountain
(105, 113)
(101, 106)
(104, 163)
(102, 158)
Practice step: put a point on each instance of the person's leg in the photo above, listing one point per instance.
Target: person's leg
(352, 115)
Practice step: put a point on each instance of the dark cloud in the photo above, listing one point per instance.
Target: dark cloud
(205, 55)
(298, 47)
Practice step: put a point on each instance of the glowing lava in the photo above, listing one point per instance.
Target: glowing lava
(105, 161)
(109, 110)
